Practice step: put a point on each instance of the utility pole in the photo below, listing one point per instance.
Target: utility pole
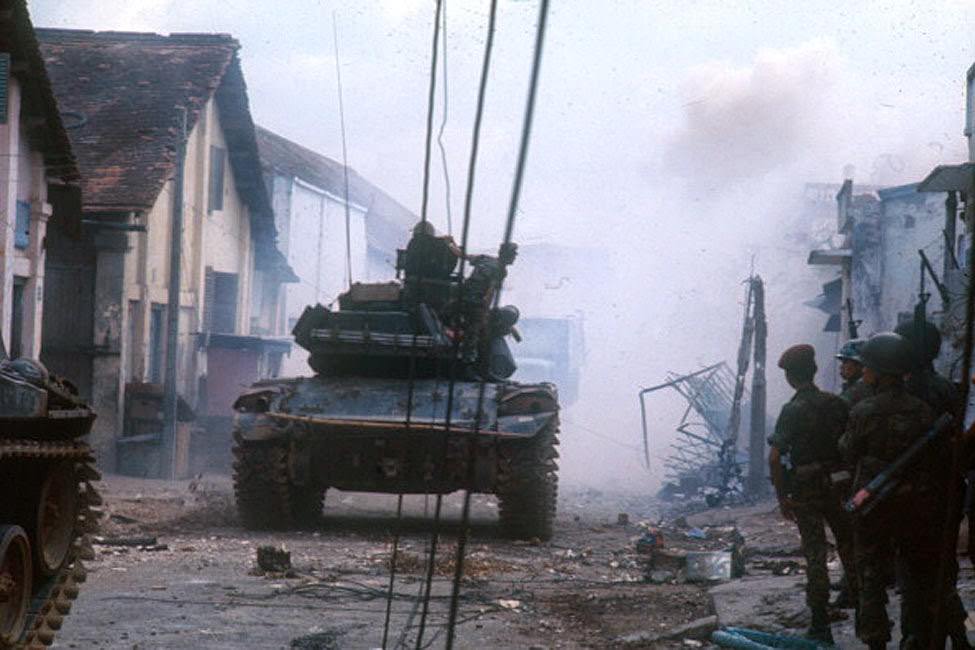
(757, 485)
(170, 398)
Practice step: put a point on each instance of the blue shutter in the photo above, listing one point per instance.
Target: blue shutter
(4, 77)
(22, 229)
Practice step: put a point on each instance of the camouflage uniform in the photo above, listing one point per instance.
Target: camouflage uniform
(942, 397)
(808, 429)
(880, 428)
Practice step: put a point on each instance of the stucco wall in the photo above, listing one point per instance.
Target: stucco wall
(909, 221)
(220, 239)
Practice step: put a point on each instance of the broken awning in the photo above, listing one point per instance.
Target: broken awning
(829, 256)
(948, 178)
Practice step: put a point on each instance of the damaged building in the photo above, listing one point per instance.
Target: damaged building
(130, 93)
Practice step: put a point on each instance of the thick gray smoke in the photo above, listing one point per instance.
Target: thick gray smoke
(671, 147)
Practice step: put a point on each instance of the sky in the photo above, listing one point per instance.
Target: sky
(671, 138)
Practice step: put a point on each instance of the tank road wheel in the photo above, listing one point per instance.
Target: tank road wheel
(55, 519)
(266, 498)
(528, 485)
(15, 584)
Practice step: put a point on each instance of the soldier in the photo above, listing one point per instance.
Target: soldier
(807, 432)
(942, 397)
(880, 428)
(851, 371)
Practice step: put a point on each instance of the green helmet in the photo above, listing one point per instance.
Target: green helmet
(931, 342)
(888, 354)
(851, 351)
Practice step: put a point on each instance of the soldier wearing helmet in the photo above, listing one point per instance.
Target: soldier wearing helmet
(880, 428)
(806, 434)
(942, 397)
(851, 371)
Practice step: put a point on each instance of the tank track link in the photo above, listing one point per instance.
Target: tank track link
(266, 497)
(528, 484)
(52, 600)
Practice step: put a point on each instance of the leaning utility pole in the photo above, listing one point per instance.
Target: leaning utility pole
(757, 484)
(170, 398)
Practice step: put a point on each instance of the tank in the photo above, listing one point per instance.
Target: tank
(49, 505)
(380, 416)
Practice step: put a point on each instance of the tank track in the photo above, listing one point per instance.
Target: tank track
(528, 484)
(266, 497)
(52, 599)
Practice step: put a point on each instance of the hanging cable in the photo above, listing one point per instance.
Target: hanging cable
(345, 156)
(430, 109)
(443, 126)
(465, 237)
(412, 367)
(509, 230)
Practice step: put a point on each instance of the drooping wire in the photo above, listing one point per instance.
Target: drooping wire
(443, 126)
(431, 97)
(412, 368)
(345, 156)
(509, 230)
(526, 126)
(465, 237)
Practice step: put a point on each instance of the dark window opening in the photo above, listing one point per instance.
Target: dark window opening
(157, 327)
(17, 319)
(22, 228)
(909, 221)
(217, 159)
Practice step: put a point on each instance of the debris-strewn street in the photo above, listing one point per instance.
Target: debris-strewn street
(173, 569)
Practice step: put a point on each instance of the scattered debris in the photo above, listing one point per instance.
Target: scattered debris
(507, 603)
(139, 540)
(708, 566)
(698, 629)
(272, 559)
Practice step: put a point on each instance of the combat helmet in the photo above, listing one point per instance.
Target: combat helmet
(850, 351)
(888, 353)
(931, 343)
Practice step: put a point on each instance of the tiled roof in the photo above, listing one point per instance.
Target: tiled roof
(126, 88)
(18, 38)
(387, 221)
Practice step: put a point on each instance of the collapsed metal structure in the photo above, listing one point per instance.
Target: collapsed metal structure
(705, 459)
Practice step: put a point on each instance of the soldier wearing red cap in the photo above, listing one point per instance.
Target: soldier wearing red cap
(806, 434)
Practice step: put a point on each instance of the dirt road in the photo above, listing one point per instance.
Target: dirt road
(192, 581)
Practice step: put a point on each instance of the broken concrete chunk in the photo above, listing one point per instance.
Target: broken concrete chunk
(272, 559)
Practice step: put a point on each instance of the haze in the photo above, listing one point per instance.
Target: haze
(670, 147)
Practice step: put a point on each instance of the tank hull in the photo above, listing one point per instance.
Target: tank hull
(388, 436)
(48, 509)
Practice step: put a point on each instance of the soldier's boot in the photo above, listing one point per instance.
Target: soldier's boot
(819, 629)
(843, 599)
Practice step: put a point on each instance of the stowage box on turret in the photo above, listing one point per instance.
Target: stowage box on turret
(380, 415)
(48, 506)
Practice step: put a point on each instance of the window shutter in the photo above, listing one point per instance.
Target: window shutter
(4, 80)
(22, 228)
(209, 295)
(215, 198)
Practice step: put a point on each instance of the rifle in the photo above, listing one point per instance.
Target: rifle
(874, 492)
(851, 324)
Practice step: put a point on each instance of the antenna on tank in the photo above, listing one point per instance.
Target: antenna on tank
(345, 155)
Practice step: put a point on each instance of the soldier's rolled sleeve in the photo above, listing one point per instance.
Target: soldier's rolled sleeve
(785, 427)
